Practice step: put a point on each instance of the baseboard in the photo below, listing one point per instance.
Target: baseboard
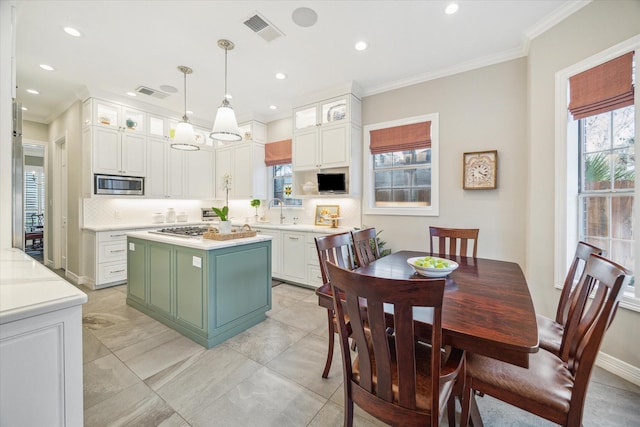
(618, 367)
(73, 278)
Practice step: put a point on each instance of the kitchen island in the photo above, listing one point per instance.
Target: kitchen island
(208, 290)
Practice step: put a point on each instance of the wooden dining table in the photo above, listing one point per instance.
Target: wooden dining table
(487, 307)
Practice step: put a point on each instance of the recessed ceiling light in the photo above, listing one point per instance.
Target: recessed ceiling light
(169, 89)
(47, 67)
(273, 107)
(72, 31)
(24, 108)
(281, 76)
(132, 94)
(304, 17)
(451, 8)
(361, 45)
(33, 91)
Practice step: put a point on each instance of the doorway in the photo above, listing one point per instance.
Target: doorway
(34, 198)
(57, 232)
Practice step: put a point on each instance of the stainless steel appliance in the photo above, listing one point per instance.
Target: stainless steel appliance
(209, 215)
(17, 183)
(118, 185)
(193, 231)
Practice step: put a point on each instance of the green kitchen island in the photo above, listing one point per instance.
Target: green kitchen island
(207, 290)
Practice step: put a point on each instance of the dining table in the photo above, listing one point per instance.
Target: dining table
(487, 308)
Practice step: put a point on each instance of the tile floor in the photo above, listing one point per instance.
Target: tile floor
(138, 372)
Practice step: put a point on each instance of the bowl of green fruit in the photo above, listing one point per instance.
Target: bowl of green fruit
(431, 266)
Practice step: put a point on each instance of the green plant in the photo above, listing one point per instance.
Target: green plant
(255, 203)
(222, 213)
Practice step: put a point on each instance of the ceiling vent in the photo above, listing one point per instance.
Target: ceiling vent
(151, 92)
(265, 29)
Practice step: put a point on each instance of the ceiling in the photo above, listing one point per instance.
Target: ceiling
(125, 45)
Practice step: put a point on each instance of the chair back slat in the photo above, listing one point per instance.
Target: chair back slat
(384, 359)
(365, 246)
(568, 296)
(449, 239)
(337, 249)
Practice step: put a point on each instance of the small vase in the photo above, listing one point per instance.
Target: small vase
(224, 227)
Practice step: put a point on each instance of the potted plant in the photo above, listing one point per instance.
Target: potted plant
(223, 214)
(255, 203)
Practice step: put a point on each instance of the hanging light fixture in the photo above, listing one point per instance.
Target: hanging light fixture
(225, 128)
(184, 138)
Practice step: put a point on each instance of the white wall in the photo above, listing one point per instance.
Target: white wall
(592, 29)
(484, 109)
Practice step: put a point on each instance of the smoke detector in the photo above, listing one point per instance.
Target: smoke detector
(151, 92)
(262, 27)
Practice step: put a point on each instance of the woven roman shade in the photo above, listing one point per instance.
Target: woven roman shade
(400, 138)
(606, 87)
(277, 153)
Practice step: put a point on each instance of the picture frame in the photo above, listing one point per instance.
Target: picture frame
(325, 213)
(480, 170)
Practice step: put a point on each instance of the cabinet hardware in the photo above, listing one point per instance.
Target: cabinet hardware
(119, 250)
(117, 235)
(117, 271)
(293, 238)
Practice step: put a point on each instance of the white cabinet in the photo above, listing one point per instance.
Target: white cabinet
(199, 174)
(294, 260)
(244, 162)
(314, 274)
(118, 152)
(276, 250)
(253, 131)
(322, 136)
(110, 115)
(165, 176)
(161, 127)
(110, 258)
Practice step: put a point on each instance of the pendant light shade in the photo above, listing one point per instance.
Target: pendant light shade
(184, 137)
(225, 127)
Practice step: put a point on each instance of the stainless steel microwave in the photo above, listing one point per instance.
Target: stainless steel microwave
(118, 185)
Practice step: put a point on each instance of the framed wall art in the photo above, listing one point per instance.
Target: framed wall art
(480, 170)
(325, 214)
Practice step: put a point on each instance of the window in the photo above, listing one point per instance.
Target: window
(402, 175)
(34, 198)
(595, 169)
(283, 184)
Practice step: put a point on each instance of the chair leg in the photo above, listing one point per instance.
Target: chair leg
(466, 401)
(332, 331)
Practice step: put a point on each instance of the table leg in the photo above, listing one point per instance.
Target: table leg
(474, 413)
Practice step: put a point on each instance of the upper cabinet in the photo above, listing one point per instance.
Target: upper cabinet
(253, 131)
(244, 162)
(327, 135)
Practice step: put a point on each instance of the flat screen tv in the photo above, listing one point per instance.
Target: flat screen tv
(331, 183)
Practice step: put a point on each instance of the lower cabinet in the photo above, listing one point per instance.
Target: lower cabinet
(207, 295)
(294, 265)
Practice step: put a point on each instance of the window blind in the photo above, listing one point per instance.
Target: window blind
(607, 87)
(400, 138)
(277, 153)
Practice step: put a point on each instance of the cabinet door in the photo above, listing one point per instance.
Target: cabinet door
(224, 165)
(191, 292)
(160, 276)
(200, 166)
(305, 117)
(334, 110)
(175, 169)
(106, 114)
(276, 251)
(106, 150)
(334, 146)
(242, 175)
(294, 259)
(155, 181)
(136, 270)
(134, 147)
(304, 150)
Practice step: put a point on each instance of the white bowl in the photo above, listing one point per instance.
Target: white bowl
(430, 271)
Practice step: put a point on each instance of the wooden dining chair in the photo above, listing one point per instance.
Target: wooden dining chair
(550, 331)
(393, 376)
(458, 240)
(553, 388)
(365, 244)
(335, 248)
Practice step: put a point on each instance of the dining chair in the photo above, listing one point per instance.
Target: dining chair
(365, 245)
(458, 239)
(553, 388)
(334, 248)
(550, 331)
(393, 376)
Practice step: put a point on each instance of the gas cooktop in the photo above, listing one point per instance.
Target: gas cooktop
(193, 231)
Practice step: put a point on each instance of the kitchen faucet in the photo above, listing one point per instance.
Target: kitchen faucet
(281, 205)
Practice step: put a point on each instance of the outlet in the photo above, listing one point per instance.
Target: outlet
(118, 214)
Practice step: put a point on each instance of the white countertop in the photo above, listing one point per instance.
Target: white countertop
(253, 225)
(197, 242)
(27, 288)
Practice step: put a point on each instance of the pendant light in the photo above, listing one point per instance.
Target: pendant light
(225, 127)
(184, 137)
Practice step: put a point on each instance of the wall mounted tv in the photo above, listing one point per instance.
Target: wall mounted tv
(332, 183)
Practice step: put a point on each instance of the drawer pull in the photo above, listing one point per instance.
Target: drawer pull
(117, 271)
(119, 250)
(293, 238)
(117, 235)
